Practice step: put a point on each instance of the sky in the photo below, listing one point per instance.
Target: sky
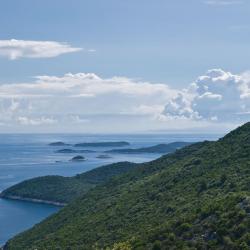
(118, 66)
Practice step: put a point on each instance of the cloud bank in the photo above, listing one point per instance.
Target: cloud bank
(216, 96)
(15, 49)
(88, 102)
(223, 2)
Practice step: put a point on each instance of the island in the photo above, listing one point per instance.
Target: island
(59, 190)
(103, 156)
(73, 151)
(158, 149)
(103, 144)
(59, 144)
(66, 151)
(78, 158)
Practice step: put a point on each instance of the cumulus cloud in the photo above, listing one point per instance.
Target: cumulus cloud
(15, 49)
(148, 110)
(84, 86)
(86, 100)
(73, 98)
(217, 96)
(24, 120)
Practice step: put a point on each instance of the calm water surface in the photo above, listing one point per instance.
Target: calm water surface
(26, 156)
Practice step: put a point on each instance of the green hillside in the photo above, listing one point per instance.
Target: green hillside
(196, 198)
(65, 189)
(58, 189)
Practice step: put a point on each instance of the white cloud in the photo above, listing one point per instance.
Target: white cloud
(88, 102)
(148, 110)
(216, 96)
(24, 120)
(75, 99)
(180, 107)
(76, 119)
(15, 49)
(83, 85)
(223, 2)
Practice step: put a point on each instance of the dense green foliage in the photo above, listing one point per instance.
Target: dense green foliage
(65, 189)
(196, 198)
(160, 148)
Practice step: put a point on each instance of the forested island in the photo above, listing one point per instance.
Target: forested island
(73, 151)
(160, 149)
(62, 190)
(103, 144)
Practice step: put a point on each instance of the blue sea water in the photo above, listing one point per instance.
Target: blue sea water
(23, 156)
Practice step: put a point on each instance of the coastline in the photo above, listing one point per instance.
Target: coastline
(12, 197)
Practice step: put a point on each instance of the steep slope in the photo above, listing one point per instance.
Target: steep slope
(58, 189)
(196, 198)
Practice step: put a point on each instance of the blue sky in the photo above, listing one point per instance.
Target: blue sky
(168, 42)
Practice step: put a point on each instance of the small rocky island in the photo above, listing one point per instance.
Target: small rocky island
(158, 149)
(104, 156)
(59, 144)
(103, 144)
(66, 151)
(78, 158)
(73, 151)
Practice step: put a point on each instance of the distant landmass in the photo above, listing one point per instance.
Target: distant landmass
(78, 158)
(73, 151)
(59, 143)
(195, 198)
(103, 156)
(160, 148)
(103, 144)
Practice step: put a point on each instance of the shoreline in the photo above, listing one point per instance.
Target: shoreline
(12, 197)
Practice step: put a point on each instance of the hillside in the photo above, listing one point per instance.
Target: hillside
(160, 148)
(58, 189)
(196, 198)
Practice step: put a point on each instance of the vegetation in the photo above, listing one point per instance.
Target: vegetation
(195, 198)
(58, 144)
(160, 148)
(65, 189)
(78, 158)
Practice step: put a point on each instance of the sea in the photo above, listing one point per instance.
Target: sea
(24, 156)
